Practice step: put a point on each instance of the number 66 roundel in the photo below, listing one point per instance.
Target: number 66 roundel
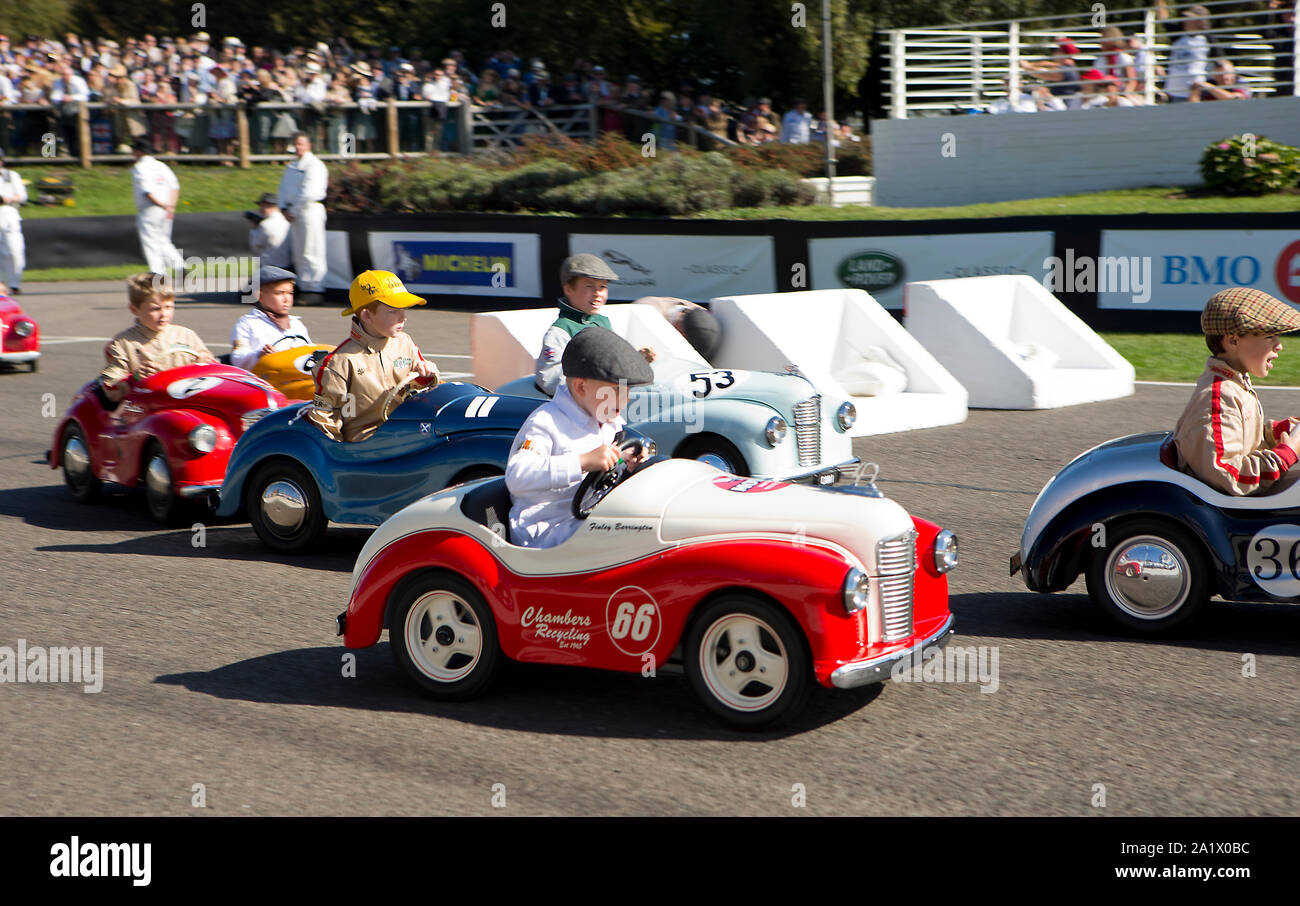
(1273, 559)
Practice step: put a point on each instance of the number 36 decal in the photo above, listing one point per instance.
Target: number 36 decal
(1273, 559)
(711, 380)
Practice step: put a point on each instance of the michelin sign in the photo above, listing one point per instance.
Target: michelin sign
(461, 263)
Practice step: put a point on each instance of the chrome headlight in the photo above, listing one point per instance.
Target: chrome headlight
(945, 551)
(203, 439)
(23, 328)
(847, 415)
(856, 590)
(252, 416)
(776, 430)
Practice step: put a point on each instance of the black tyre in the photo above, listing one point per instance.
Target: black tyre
(284, 507)
(443, 636)
(33, 365)
(77, 472)
(159, 491)
(716, 451)
(1169, 587)
(747, 661)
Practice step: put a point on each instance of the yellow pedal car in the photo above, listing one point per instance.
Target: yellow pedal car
(292, 370)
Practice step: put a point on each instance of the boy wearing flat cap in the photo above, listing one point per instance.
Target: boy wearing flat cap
(1222, 437)
(571, 435)
(354, 379)
(586, 289)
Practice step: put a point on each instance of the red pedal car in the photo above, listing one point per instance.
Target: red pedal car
(20, 338)
(172, 433)
(763, 588)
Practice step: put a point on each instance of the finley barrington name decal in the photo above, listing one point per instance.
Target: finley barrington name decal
(38, 664)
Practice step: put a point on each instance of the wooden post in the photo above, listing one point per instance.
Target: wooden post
(393, 145)
(83, 133)
(464, 127)
(241, 120)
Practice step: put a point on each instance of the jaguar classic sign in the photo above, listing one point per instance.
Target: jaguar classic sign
(688, 267)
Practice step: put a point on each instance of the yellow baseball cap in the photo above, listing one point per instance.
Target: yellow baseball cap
(379, 286)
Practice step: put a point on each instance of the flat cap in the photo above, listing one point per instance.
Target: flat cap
(1243, 311)
(269, 273)
(602, 355)
(585, 265)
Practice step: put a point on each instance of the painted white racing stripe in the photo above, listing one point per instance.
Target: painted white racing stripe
(487, 407)
(471, 411)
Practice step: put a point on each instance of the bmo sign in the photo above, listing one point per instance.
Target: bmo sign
(1189, 266)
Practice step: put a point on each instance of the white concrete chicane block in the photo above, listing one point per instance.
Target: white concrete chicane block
(1014, 345)
(829, 333)
(504, 345)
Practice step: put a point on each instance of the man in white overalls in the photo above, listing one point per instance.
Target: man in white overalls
(302, 189)
(13, 256)
(156, 192)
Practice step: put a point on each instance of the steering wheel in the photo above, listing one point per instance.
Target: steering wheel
(292, 336)
(396, 391)
(597, 485)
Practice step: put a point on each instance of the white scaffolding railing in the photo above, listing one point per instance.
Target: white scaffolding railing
(938, 70)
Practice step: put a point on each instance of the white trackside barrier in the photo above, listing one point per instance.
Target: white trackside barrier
(1014, 345)
(504, 345)
(848, 346)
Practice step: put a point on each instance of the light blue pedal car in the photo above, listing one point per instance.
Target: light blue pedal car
(752, 423)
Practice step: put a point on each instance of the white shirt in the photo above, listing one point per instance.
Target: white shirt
(11, 184)
(305, 180)
(269, 240)
(796, 127)
(1188, 60)
(437, 90)
(70, 89)
(151, 176)
(544, 469)
(255, 330)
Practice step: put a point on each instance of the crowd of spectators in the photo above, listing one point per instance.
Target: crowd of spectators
(1199, 67)
(341, 88)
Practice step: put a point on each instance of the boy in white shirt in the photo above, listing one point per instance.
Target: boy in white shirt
(258, 332)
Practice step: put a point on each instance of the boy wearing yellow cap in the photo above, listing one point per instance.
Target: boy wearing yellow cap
(1222, 437)
(354, 380)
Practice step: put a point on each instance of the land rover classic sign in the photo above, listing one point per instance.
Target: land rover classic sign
(873, 271)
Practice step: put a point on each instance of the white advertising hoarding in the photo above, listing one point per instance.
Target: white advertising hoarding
(1189, 266)
(473, 264)
(688, 267)
(881, 265)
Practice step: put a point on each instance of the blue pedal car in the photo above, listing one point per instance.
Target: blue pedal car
(293, 480)
(1155, 543)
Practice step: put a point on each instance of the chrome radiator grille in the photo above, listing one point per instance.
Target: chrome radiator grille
(896, 565)
(808, 430)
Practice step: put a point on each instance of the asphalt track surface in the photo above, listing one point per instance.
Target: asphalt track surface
(222, 668)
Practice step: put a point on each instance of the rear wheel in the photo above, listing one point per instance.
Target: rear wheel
(443, 636)
(1168, 586)
(716, 451)
(746, 660)
(284, 507)
(77, 472)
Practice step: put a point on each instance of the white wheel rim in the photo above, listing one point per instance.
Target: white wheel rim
(443, 637)
(743, 662)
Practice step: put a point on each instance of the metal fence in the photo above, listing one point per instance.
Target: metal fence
(945, 69)
(86, 133)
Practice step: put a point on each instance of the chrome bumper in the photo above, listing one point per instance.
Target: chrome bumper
(812, 474)
(876, 670)
(17, 358)
(198, 490)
